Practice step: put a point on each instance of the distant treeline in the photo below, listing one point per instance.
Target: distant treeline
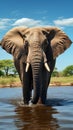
(7, 68)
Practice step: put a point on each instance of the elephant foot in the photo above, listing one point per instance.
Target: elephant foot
(41, 102)
(30, 103)
(35, 105)
(38, 103)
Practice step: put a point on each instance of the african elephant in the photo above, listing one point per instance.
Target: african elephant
(35, 50)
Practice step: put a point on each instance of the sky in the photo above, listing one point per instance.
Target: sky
(33, 13)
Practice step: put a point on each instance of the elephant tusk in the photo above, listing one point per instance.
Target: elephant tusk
(27, 67)
(47, 67)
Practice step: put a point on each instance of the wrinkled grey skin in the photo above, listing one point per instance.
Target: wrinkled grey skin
(35, 46)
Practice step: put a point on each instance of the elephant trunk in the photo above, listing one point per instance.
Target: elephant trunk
(36, 57)
(36, 71)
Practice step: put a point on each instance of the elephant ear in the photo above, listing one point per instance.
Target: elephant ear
(13, 42)
(59, 41)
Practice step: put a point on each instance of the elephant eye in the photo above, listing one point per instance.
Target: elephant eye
(26, 44)
(45, 33)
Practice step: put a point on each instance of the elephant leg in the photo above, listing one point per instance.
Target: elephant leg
(45, 83)
(46, 76)
(26, 80)
(27, 88)
(27, 84)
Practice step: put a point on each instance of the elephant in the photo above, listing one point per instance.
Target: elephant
(34, 51)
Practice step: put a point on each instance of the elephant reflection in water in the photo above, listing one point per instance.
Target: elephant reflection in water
(36, 118)
(34, 51)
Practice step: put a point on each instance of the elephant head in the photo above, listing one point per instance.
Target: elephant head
(40, 46)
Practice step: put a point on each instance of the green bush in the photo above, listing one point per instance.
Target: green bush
(1, 73)
(68, 71)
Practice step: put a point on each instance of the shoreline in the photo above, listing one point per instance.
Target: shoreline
(18, 84)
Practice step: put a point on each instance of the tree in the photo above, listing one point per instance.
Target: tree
(6, 66)
(1, 73)
(68, 71)
(55, 73)
(14, 71)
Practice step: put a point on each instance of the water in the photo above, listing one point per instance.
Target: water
(57, 115)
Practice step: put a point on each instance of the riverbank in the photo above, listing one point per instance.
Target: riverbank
(62, 81)
(55, 81)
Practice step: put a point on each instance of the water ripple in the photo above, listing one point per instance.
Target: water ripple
(56, 115)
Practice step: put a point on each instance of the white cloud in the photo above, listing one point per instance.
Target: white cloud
(64, 22)
(27, 22)
(5, 23)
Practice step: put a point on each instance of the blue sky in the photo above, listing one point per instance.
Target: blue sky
(38, 13)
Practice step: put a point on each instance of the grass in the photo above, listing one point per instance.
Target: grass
(62, 80)
(15, 81)
(9, 81)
